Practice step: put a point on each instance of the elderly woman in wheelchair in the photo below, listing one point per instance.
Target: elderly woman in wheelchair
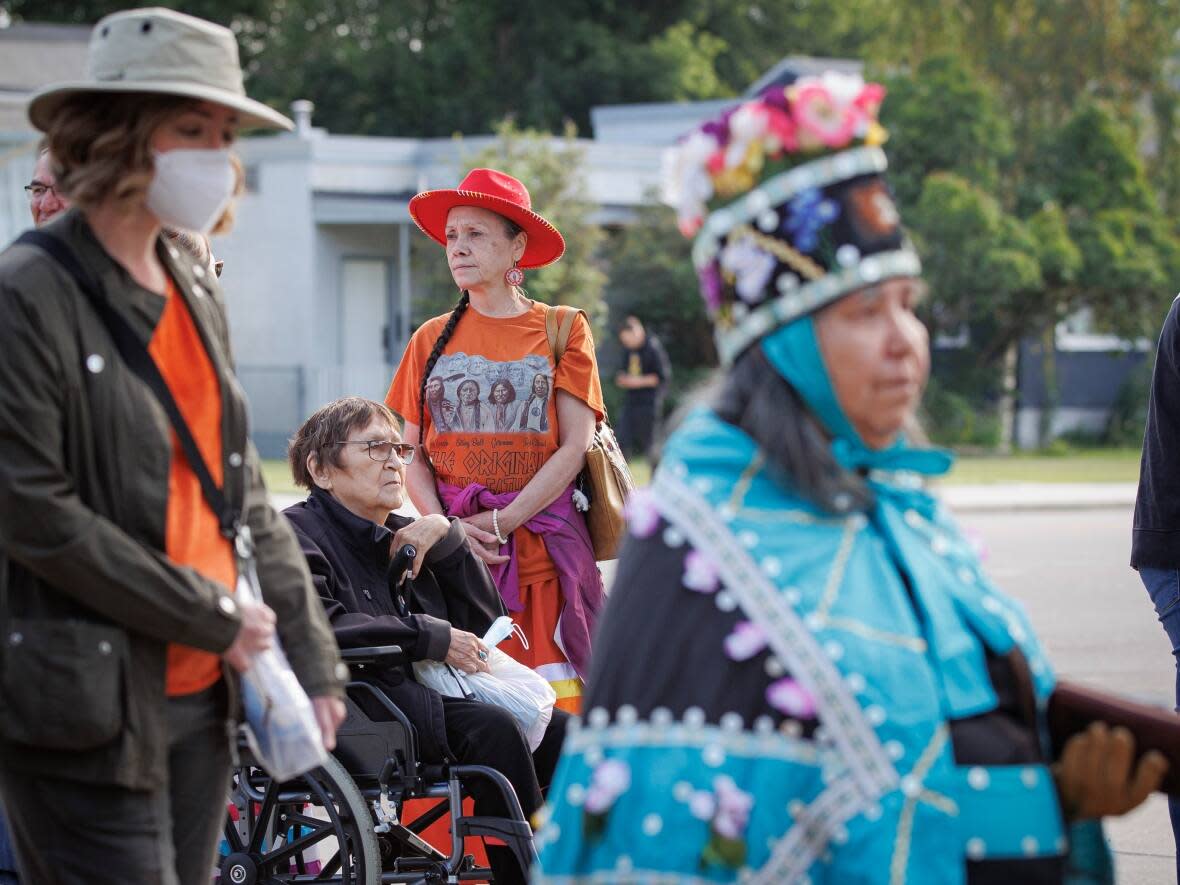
(350, 455)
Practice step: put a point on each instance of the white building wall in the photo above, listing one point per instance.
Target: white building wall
(270, 262)
(1065, 419)
(16, 169)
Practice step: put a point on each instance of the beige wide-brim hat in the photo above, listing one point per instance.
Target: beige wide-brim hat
(162, 52)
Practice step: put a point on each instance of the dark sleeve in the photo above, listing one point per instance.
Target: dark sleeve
(57, 537)
(660, 644)
(421, 637)
(1169, 344)
(469, 594)
(287, 588)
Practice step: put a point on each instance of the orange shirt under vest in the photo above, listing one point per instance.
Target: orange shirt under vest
(192, 535)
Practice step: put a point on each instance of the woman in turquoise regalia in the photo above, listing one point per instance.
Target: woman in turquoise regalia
(803, 674)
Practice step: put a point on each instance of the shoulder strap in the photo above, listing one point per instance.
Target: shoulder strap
(559, 322)
(140, 361)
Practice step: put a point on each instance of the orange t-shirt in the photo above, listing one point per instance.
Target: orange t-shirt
(490, 416)
(192, 534)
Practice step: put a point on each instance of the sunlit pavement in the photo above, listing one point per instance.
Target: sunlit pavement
(1070, 570)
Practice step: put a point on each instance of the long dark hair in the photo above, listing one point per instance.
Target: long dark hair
(440, 344)
(754, 397)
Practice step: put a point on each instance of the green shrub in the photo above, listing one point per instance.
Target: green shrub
(952, 419)
(1128, 413)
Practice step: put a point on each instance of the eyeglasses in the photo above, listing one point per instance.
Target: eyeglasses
(382, 449)
(37, 191)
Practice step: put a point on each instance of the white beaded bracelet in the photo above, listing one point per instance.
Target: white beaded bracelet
(496, 527)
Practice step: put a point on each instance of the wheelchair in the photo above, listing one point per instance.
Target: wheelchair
(344, 822)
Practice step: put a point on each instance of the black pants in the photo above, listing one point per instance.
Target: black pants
(637, 425)
(71, 833)
(484, 734)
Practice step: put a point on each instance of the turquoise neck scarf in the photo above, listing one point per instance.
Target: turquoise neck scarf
(956, 629)
(794, 352)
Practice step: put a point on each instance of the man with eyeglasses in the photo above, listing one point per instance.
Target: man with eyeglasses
(44, 200)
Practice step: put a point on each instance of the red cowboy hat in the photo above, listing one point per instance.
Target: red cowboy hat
(500, 193)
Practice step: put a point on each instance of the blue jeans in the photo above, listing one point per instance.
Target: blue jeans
(1163, 586)
(7, 858)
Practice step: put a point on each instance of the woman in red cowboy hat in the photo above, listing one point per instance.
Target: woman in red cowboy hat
(512, 488)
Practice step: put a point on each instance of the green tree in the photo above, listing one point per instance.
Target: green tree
(1127, 247)
(982, 266)
(87, 12)
(1093, 164)
(652, 277)
(437, 67)
(944, 118)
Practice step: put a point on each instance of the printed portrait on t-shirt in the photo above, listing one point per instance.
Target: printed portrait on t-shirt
(472, 394)
(534, 414)
(503, 406)
(488, 408)
(442, 410)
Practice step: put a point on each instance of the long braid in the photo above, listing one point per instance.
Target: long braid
(435, 352)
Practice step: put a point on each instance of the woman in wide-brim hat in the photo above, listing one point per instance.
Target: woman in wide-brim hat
(804, 674)
(513, 488)
(122, 632)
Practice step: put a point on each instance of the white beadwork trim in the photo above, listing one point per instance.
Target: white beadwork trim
(791, 641)
(777, 190)
(813, 295)
(771, 745)
(808, 838)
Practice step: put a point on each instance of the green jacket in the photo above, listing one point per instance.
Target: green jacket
(88, 598)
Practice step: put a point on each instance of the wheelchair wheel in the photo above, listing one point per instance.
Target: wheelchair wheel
(316, 828)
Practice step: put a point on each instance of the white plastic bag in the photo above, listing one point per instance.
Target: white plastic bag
(443, 678)
(522, 692)
(281, 726)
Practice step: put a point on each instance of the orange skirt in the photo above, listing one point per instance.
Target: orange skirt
(542, 607)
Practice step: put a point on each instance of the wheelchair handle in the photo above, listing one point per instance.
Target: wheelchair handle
(401, 563)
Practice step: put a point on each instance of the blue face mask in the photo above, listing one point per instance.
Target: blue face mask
(794, 352)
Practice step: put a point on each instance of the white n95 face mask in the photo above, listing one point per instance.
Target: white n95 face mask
(191, 188)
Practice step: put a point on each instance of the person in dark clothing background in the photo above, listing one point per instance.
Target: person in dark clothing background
(1155, 540)
(351, 458)
(643, 377)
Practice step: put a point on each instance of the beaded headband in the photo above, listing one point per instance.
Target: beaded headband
(787, 199)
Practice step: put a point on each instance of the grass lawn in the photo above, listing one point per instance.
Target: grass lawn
(278, 477)
(1087, 465)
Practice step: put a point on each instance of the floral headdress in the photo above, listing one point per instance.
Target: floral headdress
(786, 197)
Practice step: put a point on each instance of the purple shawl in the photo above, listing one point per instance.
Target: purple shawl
(567, 541)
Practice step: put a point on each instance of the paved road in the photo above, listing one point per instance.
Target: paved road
(1091, 612)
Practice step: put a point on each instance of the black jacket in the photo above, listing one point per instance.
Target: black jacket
(349, 557)
(89, 600)
(1155, 542)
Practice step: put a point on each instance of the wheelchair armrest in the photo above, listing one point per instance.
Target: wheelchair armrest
(386, 655)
